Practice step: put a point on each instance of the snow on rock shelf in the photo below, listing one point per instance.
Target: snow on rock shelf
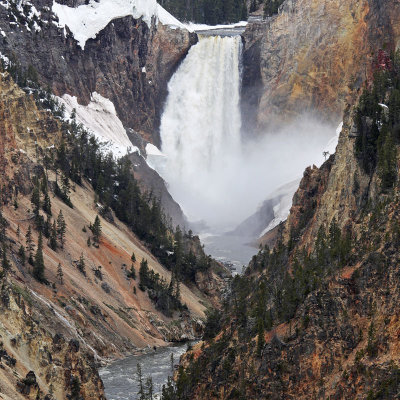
(286, 192)
(155, 158)
(87, 20)
(100, 118)
(22, 11)
(282, 209)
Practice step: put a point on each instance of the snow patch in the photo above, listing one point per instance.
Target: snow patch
(25, 9)
(155, 158)
(282, 209)
(87, 20)
(153, 150)
(4, 59)
(100, 118)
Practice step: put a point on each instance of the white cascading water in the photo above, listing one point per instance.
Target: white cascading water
(211, 172)
(201, 123)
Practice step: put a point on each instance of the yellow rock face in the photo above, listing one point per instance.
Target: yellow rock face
(315, 55)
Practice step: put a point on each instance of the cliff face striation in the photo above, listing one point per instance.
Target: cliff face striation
(85, 302)
(312, 58)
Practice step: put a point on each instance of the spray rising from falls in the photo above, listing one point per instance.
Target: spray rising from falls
(211, 172)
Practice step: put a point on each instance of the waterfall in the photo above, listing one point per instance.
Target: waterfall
(200, 126)
(211, 172)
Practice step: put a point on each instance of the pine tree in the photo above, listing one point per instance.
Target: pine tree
(172, 363)
(60, 274)
(47, 204)
(82, 265)
(53, 237)
(65, 187)
(38, 268)
(168, 391)
(35, 198)
(132, 273)
(133, 257)
(149, 388)
(47, 227)
(5, 264)
(29, 245)
(18, 231)
(61, 229)
(21, 254)
(75, 388)
(260, 337)
(143, 274)
(96, 229)
(177, 293)
(3, 226)
(46, 201)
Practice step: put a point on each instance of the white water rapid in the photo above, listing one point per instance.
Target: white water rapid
(212, 173)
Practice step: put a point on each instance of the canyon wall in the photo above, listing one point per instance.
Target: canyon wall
(63, 329)
(312, 57)
(128, 62)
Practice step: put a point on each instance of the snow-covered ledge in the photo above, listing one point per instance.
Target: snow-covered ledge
(100, 118)
(87, 20)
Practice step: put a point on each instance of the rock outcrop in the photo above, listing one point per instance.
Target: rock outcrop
(151, 181)
(29, 341)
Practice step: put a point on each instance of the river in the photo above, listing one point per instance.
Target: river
(235, 251)
(120, 379)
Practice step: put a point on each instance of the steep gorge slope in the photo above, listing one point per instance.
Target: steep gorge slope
(90, 316)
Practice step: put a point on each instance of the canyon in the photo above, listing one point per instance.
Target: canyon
(220, 127)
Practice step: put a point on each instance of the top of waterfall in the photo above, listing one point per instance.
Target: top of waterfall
(217, 30)
(87, 20)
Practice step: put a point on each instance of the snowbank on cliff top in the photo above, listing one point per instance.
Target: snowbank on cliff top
(86, 21)
(100, 118)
